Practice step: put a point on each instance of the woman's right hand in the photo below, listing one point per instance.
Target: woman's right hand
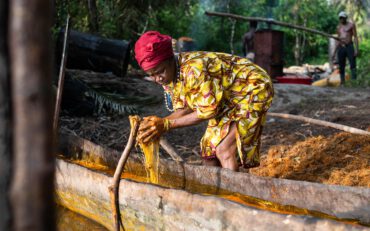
(152, 127)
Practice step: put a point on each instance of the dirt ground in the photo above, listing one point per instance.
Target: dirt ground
(290, 149)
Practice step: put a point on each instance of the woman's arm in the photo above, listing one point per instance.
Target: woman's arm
(179, 113)
(185, 120)
(154, 126)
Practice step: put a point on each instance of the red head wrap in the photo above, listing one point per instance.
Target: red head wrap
(152, 48)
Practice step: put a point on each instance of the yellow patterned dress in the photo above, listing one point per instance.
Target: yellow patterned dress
(224, 89)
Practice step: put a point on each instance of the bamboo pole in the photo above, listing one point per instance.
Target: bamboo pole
(114, 187)
(270, 21)
(32, 186)
(320, 122)
(61, 78)
(5, 119)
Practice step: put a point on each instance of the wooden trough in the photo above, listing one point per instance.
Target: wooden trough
(201, 198)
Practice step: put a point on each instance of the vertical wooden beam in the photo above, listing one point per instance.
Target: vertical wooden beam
(5, 119)
(32, 186)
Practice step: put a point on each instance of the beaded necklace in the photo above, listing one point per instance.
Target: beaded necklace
(167, 95)
(168, 101)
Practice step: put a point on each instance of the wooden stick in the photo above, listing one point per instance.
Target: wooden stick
(114, 187)
(320, 122)
(61, 77)
(171, 150)
(270, 21)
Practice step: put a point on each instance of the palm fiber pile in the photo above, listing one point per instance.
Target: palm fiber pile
(342, 159)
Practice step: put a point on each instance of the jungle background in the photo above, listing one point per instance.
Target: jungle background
(127, 20)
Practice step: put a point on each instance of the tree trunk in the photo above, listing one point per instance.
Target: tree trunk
(303, 44)
(297, 47)
(5, 120)
(32, 188)
(93, 16)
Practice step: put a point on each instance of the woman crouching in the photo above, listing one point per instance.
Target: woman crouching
(231, 92)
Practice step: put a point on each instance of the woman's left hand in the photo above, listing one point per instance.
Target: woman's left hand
(152, 127)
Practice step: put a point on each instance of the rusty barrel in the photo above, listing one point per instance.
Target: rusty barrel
(269, 51)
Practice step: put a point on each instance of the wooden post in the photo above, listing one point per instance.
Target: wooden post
(5, 119)
(32, 186)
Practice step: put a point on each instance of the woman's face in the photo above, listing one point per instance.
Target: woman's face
(163, 73)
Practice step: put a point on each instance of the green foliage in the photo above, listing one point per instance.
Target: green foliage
(357, 9)
(315, 14)
(78, 11)
(127, 20)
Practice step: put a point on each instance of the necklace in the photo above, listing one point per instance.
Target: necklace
(168, 101)
(167, 95)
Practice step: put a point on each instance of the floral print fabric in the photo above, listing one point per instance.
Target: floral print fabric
(224, 89)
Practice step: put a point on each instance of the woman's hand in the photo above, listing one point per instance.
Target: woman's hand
(152, 127)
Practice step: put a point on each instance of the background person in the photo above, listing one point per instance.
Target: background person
(347, 33)
(248, 41)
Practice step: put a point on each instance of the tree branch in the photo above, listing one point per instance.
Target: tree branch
(270, 21)
(320, 122)
(171, 150)
(114, 187)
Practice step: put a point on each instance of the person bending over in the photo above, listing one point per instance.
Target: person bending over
(231, 92)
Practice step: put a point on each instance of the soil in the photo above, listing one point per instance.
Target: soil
(290, 149)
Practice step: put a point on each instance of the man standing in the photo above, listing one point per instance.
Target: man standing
(248, 41)
(347, 33)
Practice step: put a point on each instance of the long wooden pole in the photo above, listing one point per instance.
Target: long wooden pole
(62, 68)
(320, 122)
(171, 150)
(32, 186)
(114, 187)
(5, 119)
(270, 21)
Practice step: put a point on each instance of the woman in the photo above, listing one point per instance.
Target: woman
(229, 91)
